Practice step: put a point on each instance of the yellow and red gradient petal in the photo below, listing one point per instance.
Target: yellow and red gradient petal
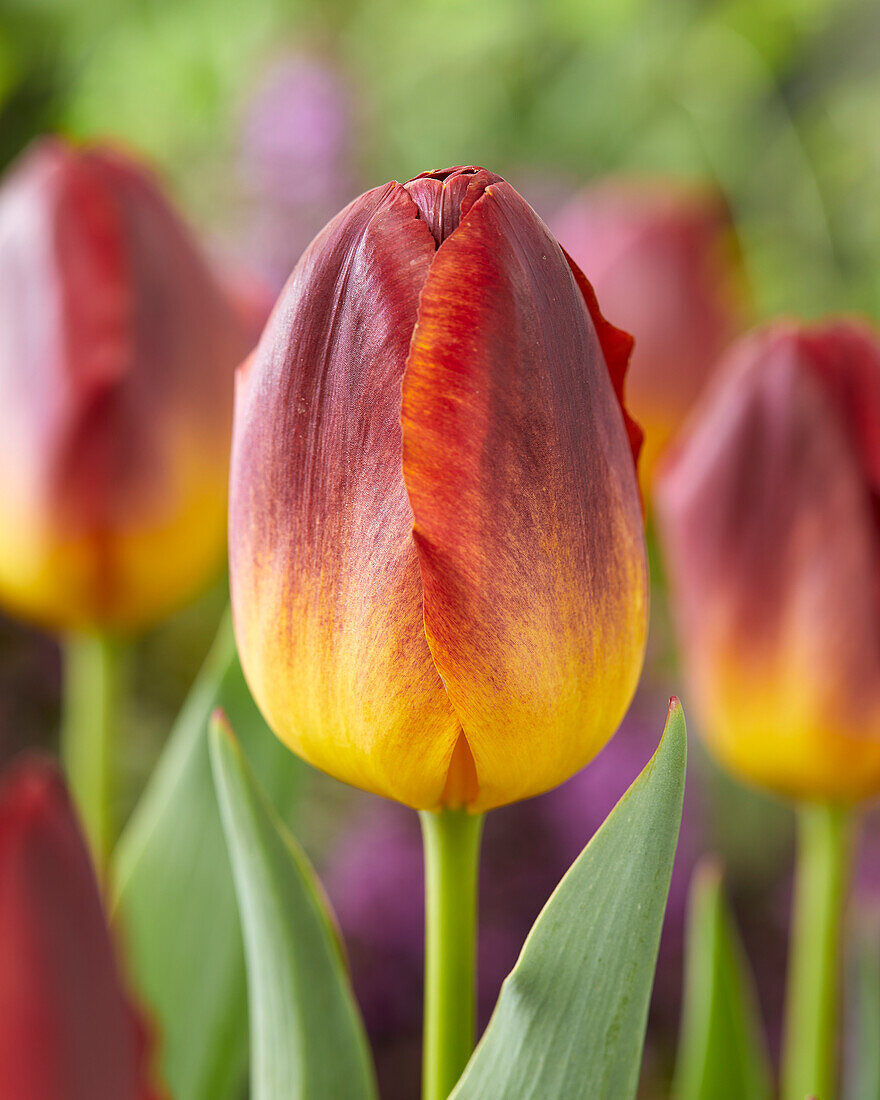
(769, 519)
(326, 589)
(527, 513)
(117, 352)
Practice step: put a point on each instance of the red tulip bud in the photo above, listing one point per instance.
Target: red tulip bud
(117, 352)
(67, 1028)
(436, 547)
(771, 525)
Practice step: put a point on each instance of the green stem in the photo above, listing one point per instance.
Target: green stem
(809, 1065)
(92, 696)
(452, 857)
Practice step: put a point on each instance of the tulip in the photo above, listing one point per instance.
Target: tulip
(769, 517)
(68, 1030)
(117, 352)
(662, 260)
(768, 510)
(436, 546)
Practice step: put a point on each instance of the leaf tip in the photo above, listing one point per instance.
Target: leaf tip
(220, 726)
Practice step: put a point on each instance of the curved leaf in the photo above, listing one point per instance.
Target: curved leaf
(571, 1017)
(722, 1054)
(175, 899)
(862, 1063)
(307, 1038)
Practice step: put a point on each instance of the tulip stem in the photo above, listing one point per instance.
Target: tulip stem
(92, 695)
(810, 1051)
(452, 858)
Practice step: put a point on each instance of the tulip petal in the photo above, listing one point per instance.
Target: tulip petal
(67, 1029)
(617, 347)
(769, 519)
(117, 353)
(527, 514)
(325, 577)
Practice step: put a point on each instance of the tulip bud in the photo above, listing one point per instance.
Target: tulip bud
(117, 353)
(67, 1029)
(768, 513)
(662, 260)
(436, 548)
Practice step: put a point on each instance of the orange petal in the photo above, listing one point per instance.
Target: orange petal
(527, 515)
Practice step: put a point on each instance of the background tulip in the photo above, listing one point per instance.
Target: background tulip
(67, 1028)
(117, 348)
(662, 258)
(439, 597)
(768, 511)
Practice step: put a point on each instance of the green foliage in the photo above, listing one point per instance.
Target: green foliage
(307, 1039)
(175, 900)
(721, 1053)
(863, 1003)
(773, 100)
(570, 1020)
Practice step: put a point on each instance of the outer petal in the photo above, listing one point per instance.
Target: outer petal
(527, 515)
(117, 351)
(660, 255)
(67, 1029)
(770, 526)
(325, 578)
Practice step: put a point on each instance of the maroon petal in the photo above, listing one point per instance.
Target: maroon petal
(67, 1029)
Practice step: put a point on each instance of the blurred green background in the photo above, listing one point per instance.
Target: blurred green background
(778, 100)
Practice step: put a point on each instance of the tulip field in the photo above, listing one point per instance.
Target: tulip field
(439, 550)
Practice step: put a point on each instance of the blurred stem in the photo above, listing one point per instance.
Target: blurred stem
(809, 1064)
(93, 673)
(452, 858)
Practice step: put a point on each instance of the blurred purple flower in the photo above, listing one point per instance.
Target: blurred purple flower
(295, 160)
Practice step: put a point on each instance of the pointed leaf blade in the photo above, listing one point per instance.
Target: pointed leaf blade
(722, 1053)
(175, 899)
(863, 1008)
(571, 1017)
(307, 1037)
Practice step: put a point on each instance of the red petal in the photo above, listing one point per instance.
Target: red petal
(325, 577)
(67, 1030)
(617, 347)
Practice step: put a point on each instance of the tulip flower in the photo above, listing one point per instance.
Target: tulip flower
(437, 559)
(68, 1030)
(768, 510)
(661, 258)
(436, 547)
(117, 352)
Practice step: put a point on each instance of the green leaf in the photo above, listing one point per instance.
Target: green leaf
(863, 1023)
(175, 898)
(571, 1017)
(722, 1055)
(307, 1038)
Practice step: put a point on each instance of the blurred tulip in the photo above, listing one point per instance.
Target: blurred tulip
(117, 351)
(661, 257)
(436, 547)
(67, 1029)
(769, 515)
